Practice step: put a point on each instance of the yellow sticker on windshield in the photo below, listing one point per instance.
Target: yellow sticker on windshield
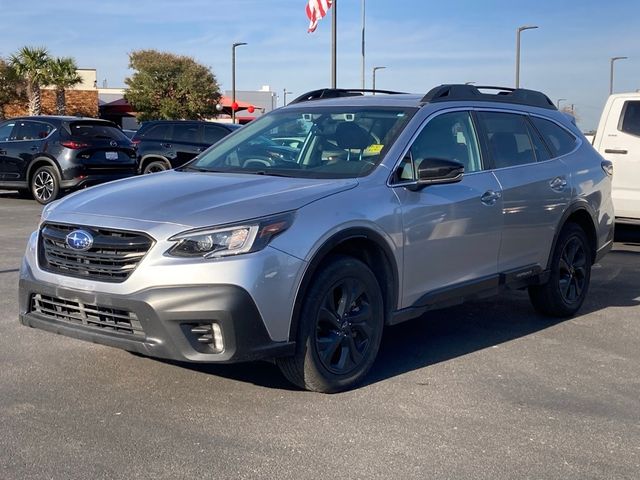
(375, 148)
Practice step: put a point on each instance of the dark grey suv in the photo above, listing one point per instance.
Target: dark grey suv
(385, 207)
(46, 155)
(166, 144)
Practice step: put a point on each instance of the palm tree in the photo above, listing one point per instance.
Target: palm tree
(62, 75)
(33, 65)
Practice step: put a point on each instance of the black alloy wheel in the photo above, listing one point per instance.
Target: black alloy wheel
(573, 270)
(569, 275)
(344, 326)
(45, 185)
(155, 167)
(339, 327)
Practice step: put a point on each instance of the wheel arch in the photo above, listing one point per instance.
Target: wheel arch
(367, 246)
(41, 162)
(583, 215)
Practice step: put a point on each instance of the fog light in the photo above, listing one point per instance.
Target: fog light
(218, 342)
(209, 335)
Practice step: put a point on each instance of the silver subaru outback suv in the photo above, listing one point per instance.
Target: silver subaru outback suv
(300, 236)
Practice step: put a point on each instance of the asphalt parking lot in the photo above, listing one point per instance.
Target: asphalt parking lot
(488, 390)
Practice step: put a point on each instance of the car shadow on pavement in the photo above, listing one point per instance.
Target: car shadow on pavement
(446, 334)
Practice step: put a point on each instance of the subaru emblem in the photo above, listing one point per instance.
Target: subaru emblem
(80, 240)
(113, 143)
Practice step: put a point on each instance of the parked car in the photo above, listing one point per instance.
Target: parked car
(46, 155)
(393, 205)
(618, 140)
(167, 144)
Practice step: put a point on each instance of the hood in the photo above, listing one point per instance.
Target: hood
(198, 199)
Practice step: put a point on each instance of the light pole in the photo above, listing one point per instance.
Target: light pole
(613, 59)
(284, 96)
(362, 47)
(558, 102)
(233, 78)
(374, 78)
(520, 30)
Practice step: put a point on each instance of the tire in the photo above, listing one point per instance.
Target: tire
(570, 274)
(339, 328)
(45, 185)
(155, 167)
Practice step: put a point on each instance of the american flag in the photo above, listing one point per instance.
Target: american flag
(317, 9)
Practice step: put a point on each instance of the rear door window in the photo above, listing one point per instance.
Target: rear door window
(187, 133)
(96, 131)
(213, 133)
(158, 132)
(630, 119)
(508, 139)
(557, 138)
(27, 130)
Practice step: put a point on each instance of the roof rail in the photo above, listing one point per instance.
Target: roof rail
(519, 96)
(337, 93)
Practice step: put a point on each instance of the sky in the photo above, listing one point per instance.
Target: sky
(423, 43)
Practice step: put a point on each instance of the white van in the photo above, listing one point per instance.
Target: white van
(618, 140)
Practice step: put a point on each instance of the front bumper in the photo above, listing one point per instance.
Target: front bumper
(165, 315)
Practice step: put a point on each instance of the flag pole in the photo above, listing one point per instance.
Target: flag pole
(334, 42)
(362, 85)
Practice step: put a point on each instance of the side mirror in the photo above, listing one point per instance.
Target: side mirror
(438, 171)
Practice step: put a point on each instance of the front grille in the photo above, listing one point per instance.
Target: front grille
(92, 316)
(112, 257)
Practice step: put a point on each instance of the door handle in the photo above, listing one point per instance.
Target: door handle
(558, 184)
(490, 197)
(34, 149)
(612, 150)
(3, 152)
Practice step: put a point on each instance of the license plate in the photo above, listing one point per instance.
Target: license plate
(111, 155)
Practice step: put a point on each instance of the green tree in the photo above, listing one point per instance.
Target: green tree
(168, 86)
(32, 63)
(62, 75)
(12, 86)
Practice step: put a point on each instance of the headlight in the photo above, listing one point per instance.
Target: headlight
(245, 237)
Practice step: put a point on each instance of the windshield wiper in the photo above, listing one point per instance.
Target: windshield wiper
(268, 173)
(191, 168)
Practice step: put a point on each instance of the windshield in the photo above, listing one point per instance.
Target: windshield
(312, 143)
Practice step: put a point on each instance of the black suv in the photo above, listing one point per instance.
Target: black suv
(166, 144)
(47, 155)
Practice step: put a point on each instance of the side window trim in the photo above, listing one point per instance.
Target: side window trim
(532, 130)
(392, 181)
(483, 140)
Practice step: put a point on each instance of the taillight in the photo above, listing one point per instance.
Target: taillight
(73, 145)
(135, 142)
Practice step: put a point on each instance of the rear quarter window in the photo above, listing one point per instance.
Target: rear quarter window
(557, 138)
